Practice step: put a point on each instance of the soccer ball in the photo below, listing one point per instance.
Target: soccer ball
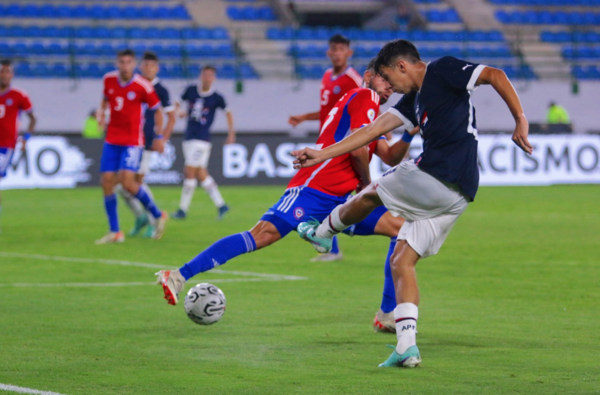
(205, 304)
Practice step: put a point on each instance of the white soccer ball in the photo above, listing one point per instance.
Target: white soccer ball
(205, 304)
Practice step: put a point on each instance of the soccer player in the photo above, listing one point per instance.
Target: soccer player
(126, 94)
(203, 101)
(336, 82)
(430, 192)
(12, 102)
(153, 142)
(312, 193)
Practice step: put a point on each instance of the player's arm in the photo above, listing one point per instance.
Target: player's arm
(500, 82)
(307, 157)
(231, 135)
(101, 113)
(359, 158)
(393, 154)
(295, 120)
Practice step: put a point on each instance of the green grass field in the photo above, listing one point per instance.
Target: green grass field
(509, 306)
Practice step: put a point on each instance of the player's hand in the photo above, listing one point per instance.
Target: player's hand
(158, 145)
(520, 134)
(362, 185)
(306, 157)
(415, 130)
(23, 144)
(295, 120)
(230, 139)
(181, 114)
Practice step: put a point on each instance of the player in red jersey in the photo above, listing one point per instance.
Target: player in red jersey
(312, 193)
(336, 82)
(126, 95)
(12, 102)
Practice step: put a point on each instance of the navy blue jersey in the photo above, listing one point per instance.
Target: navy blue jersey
(202, 107)
(165, 101)
(444, 110)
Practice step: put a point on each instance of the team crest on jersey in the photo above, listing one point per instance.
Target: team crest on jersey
(337, 89)
(371, 114)
(9, 102)
(131, 95)
(298, 212)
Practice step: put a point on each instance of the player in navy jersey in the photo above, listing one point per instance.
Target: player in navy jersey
(203, 102)
(435, 189)
(154, 141)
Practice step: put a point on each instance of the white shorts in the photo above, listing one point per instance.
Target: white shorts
(145, 162)
(196, 153)
(429, 206)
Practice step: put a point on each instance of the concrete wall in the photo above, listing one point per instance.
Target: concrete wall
(62, 105)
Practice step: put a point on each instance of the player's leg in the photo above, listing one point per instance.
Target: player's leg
(109, 166)
(207, 182)
(190, 182)
(5, 159)
(263, 234)
(141, 217)
(140, 178)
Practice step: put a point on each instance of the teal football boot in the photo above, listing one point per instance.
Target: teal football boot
(411, 358)
(307, 230)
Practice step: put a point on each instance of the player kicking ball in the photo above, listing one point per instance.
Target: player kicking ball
(125, 94)
(12, 102)
(153, 142)
(430, 192)
(312, 192)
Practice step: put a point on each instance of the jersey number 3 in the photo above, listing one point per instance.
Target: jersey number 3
(2, 110)
(120, 102)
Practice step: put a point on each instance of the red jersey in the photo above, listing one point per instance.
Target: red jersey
(127, 105)
(11, 103)
(336, 176)
(334, 87)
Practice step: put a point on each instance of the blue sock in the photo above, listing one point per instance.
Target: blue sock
(335, 249)
(219, 253)
(388, 301)
(110, 205)
(148, 203)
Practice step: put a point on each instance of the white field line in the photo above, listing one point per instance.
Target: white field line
(24, 390)
(257, 276)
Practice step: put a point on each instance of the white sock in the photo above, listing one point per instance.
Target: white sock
(151, 218)
(211, 187)
(134, 205)
(406, 315)
(187, 193)
(331, 225)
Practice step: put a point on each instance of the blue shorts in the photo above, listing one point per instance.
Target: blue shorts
(5, 159)
(120, 157)
(300, 204)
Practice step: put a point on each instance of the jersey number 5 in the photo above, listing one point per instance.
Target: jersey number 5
(2, 110)
(325, 97)
(120, 102)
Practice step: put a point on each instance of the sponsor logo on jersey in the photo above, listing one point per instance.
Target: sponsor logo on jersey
(298, 212)
(337, 89)
(131, 95)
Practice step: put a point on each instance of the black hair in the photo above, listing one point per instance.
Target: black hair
(395, 49)
(339, 39)
(6, 62)
(371, 65)
(126, 52)
(149, 55)
(209, 67)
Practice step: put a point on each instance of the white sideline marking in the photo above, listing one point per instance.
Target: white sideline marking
(258, 276)
(24, 390)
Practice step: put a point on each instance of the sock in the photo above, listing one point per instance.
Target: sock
(335, 248)
(148, 203)
(187, 193)
(134, 205)
(219, 253)
(211, 187)
(151, 218)
(388, 301)
(406, 315)
(110, 205)
(332, 225)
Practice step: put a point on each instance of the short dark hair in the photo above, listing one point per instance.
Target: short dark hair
(6, 62)
(371, 65)
(210, 67)
(126, 52)
(149, 55)
(339, 39)
(395, 49)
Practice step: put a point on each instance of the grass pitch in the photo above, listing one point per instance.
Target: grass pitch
(509, 306)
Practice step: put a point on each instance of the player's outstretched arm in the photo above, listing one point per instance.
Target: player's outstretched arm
(295, 120)
(393, 154)
(307, 157)
(498, 79)
(231, 135)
